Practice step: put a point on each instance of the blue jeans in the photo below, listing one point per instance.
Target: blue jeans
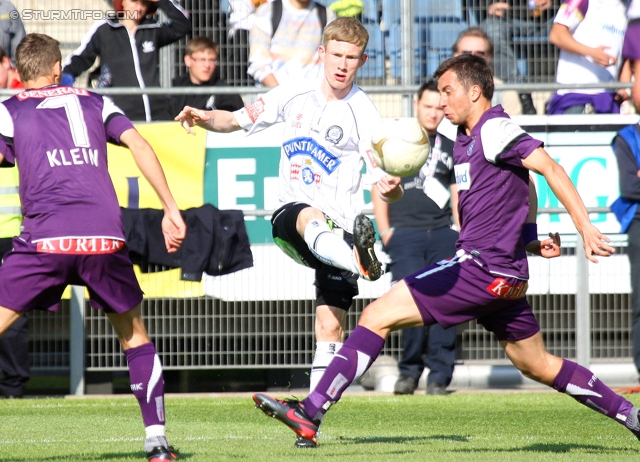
(431, 346)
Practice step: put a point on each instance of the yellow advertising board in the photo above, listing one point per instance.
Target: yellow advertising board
(182, 158)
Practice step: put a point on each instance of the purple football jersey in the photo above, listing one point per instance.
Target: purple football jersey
(58, 135)
(494, 192)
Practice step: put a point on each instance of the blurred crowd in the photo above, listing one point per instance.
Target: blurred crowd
(270, 42)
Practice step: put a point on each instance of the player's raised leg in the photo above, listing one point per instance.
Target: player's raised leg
(332, 250)
(394, 310)
(532, 359)
(147, 381)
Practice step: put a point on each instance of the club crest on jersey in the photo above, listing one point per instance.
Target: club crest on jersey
(310, 147)
(334, 134)
(255, 109)
(502, 289)
(470, 148)
(307, 175)
(463, 176)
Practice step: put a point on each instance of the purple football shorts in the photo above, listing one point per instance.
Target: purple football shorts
(36, 280)
(455, 291)
(631, 44)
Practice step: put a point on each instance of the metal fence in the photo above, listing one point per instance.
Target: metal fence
(584, 314)
(408, 40)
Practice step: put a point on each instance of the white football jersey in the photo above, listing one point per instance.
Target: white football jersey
(592, 23)
(325, 146)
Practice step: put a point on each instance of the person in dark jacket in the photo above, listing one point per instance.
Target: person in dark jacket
(128, 46)
(201, 59)
(626, 147)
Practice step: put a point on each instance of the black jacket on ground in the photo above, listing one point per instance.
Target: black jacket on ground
(216, 241)
(226, 102)
(124, 65)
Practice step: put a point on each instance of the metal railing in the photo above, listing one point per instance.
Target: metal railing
(212, 333)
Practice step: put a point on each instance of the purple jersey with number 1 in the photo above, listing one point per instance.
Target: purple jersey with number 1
(493, 190)
(58, 135)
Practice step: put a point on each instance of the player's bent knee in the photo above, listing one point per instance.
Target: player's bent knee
(329, 330)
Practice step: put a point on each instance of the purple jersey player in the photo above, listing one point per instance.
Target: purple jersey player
(72, 230)
(487, 280)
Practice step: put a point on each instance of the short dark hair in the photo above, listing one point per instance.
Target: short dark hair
(470, 70)
(429, 85)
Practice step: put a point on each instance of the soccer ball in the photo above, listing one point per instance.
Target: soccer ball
(400, 146)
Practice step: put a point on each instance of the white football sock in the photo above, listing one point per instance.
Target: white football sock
(321, 359)
(155, 437)
(328, 247)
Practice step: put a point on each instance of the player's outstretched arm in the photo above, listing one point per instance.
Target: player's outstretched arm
(594, 242)
(215, 120)
(173, 226)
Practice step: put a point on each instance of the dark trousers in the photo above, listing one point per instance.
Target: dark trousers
(430, 346)
(634, 261)
(14, 349)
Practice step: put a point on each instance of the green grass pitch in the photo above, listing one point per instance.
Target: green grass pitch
(362, 427)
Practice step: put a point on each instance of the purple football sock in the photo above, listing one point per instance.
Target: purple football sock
(354, 358)
(147, 382)
(583, 386)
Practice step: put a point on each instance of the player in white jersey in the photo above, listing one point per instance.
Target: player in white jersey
(326, 143)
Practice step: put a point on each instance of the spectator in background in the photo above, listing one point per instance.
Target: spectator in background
(590, 37)
(626, 146)
(11, 30)
(201, 59)
(241, 17)
(416, 232)
(506, 20)
(14, 346)
(285, 40)
(128, 46)
(475, 41)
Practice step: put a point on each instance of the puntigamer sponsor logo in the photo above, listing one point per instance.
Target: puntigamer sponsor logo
(309, 147)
